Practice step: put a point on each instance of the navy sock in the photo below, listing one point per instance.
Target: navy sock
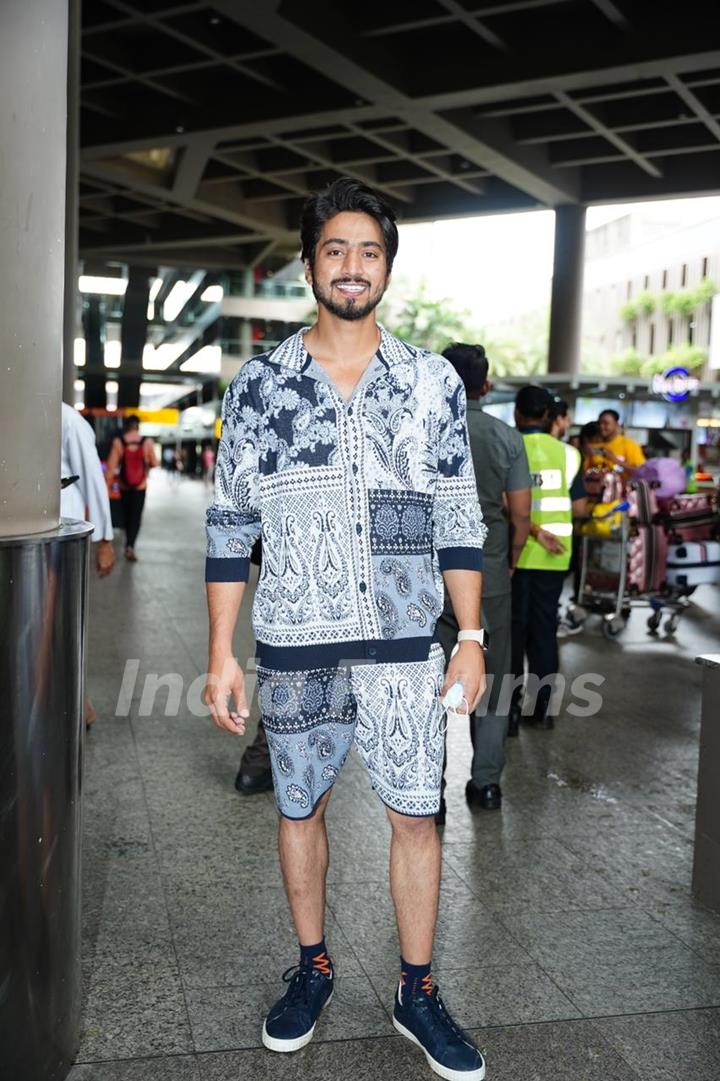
(316, 957)
(415, 977)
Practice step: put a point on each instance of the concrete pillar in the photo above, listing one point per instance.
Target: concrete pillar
(567, 284)
(33, 79)
(95, 370)
(133, 335)
(72, 181)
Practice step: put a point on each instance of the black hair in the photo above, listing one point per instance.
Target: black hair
(533, 402)
(347, 194)
(558, 408)
(610, 413)
(589, 431)
(471, 364)
(130, 423)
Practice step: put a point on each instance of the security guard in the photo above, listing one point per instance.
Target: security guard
(558, 495)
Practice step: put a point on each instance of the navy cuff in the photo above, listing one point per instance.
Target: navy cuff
(460, 559)
(235, 569)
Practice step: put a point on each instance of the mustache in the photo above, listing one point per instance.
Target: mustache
(351, 281)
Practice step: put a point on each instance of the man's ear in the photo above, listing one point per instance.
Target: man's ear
(308, 272)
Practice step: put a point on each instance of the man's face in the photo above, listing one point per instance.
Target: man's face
(608, 426)
(349, 273)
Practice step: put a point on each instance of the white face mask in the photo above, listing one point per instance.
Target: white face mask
(452, 702)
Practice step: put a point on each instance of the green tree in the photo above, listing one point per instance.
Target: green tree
(426, 321)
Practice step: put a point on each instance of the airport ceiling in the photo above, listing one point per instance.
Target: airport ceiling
(204, 126)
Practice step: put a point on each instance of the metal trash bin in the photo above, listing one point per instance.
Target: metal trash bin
(43, 594)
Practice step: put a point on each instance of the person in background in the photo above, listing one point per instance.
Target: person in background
(207, 462)
(503, 480)
(87, 496)
(615, 448)
(559, 418)
(558, 495)
(134, 457)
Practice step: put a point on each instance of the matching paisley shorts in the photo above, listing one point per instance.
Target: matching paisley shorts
(391, 712)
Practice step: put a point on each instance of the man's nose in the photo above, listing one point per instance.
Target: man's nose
(352, 265)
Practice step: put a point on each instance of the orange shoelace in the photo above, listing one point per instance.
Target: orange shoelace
(426, 984)
(322, 963)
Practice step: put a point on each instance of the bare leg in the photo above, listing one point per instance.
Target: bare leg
(415, 883)
(304, 858)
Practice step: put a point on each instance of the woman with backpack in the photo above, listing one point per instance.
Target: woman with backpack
(133, 457)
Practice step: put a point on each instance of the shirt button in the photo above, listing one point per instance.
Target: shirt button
(358, 528)
(349, 411)
(362, 586)
(355, 468)
(371, 651)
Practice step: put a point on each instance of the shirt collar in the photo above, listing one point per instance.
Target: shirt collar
(292, 352)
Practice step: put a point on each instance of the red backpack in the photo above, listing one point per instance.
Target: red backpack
(132, 466)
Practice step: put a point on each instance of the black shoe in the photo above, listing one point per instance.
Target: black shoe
(422, 1018)
(485, 798)
(514, 715)
(249, 784)
(442, 813)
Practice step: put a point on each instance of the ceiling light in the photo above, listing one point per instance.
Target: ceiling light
(111, 386)
(206, 360)
(115, 287)
(213, 294)
(176, 299)
(113, 351)
(79, 384)
(79, 352)
(155, 289)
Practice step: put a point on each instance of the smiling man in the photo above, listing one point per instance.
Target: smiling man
(347, 450)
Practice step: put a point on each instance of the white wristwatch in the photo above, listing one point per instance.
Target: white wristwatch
(481, 637)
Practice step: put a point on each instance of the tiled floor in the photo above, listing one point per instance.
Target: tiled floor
(567, 942)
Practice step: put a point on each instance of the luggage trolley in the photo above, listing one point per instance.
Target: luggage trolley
(604, 587)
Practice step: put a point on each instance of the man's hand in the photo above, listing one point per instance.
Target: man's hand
(225, 678)
(550, 542)
(104, 557)
(467, 667)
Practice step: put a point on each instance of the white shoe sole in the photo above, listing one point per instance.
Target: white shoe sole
(437, 1067)
(283, 1046)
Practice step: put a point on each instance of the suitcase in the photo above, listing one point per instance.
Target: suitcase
(690, 517)
(643, 503)
(647, 559)
(693, 564)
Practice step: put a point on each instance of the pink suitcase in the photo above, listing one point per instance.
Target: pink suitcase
(690, 517)
(647, 559)
(643, 503)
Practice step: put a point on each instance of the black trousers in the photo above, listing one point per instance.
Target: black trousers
(535, 599)
(132, 505)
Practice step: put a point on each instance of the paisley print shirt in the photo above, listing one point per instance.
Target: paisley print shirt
(360, 504)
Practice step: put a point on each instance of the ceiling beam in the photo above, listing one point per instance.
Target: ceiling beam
(617, 141)
(496, 155)
(191, 166)
(612, 12)
(695, 104)
(474, 24)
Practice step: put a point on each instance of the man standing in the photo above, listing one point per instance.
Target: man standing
(503, 476)
(615, 447)
(348, 450)
(558, 494)
(134, 457)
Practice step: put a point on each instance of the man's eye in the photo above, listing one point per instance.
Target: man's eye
(371, 254)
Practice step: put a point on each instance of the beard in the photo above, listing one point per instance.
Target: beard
(348, 307)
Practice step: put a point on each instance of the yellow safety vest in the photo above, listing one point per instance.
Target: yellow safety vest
(553, 467)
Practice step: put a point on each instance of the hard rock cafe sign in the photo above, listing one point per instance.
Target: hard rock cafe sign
(674, 385)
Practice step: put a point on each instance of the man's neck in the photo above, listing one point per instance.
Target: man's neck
(335, 340)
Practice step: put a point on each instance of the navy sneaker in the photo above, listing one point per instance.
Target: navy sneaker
(420, 1015)
(291, 1022)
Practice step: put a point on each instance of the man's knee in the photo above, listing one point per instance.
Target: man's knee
(410, 826)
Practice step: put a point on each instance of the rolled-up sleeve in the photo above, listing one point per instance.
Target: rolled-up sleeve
(233, 519)
(458, 528)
